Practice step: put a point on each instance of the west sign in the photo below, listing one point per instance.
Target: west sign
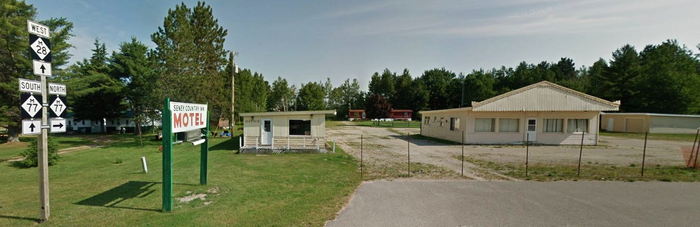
(188, 116)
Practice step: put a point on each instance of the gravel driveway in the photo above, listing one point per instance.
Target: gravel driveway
(384, 145)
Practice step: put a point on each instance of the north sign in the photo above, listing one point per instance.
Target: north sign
(30, 127)
(57, 89)
(41, 68)
(58, 107)
(40, 48)
(31, 106)
(188, 116)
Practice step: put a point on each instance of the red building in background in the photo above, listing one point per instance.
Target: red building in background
(403, 115)
(354, 115)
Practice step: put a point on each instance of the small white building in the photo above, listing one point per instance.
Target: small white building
(292, 130)
(542, 113)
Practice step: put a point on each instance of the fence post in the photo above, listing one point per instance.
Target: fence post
(361, 170)
(692, 151)
(462, 153)
(644, 151)
(333, 146)
(408, 147)
(580, 153)
(527, 151)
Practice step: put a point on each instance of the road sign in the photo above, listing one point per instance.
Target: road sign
(41, 68)
(31, 86)
(31, 127)
(38, 29)
(41, 48)
(31, 106)
(58, 107)
(57, 89)
(188, 116)
(58, 125)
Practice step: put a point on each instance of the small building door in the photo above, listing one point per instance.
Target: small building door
(531, 129)
(266, 132)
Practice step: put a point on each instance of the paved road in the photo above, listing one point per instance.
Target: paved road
(483, 203)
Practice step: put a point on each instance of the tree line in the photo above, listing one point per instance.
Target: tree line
(189, 64)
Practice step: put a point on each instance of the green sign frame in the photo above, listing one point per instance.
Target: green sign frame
(168, 155)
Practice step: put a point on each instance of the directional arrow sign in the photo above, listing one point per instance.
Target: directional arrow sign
(58, 125)
(31, 86)
(41, 68)
(58, 107)
(31, 106)
(40, 48)
(31, 127)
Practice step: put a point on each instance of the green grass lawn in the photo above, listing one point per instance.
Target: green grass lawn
(590, 171)
(12, 150)
(105, 187)
(652, 136)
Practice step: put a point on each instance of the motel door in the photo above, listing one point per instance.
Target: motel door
(266, 132)
(532, 129)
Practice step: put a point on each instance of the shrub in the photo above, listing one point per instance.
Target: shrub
(30, 155)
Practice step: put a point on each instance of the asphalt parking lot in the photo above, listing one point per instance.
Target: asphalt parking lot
(508, 203)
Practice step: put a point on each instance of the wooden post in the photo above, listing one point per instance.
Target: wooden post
(644, 151)
(361, 170)
(167, 157)
(43, 154)
(696, 149)
(580, 153)
(408, 148)
(692, 150)
(527, 151)
(462, 153)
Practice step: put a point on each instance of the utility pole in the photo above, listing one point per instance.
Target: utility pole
(234, 70)
(461, 102)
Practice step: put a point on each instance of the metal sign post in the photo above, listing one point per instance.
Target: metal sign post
(181, 117)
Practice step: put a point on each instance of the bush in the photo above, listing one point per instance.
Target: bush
(30, 155)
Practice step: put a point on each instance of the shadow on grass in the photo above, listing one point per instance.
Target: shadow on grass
(230, 144)
(20, 218)
(129, 190)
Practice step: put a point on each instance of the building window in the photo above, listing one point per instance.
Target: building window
(553, 125)
(577, 125)
(454, 124)
(442, 121)
(484, 124)
(299, 127)
(508, 125)
(426, 121)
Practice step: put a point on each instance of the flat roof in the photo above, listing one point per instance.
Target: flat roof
(652, 114)
(288, 113)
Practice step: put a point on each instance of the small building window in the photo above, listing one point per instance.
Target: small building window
(553, 125)
(484, 124)
(454, 124)
(577, 125)
(299, 127)
(426, 121)
(442, 121)
(508, 125)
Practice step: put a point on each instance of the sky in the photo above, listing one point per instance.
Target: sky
(305, 41)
